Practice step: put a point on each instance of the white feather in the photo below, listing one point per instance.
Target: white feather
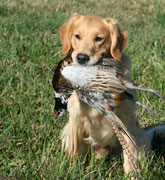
(79, 74)
(88, 77)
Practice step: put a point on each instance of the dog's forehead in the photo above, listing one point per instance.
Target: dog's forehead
(92, 20)
(91, 23)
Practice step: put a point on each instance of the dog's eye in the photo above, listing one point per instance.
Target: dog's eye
(77, 36)
(98, 38)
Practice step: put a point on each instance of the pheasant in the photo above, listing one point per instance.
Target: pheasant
(102, 86)
(63, 89)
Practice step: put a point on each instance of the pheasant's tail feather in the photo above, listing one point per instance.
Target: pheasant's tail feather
(146, 108)
(120, 129)
(130, 85)
(132, 156)
(118, 123)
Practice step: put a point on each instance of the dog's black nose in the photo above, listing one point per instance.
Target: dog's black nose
(82, 58)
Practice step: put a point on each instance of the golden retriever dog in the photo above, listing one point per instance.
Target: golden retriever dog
(90, 38)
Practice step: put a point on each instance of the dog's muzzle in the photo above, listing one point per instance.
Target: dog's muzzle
(82, 58)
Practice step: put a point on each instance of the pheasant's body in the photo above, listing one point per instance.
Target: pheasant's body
(80, 75)
(107, 78)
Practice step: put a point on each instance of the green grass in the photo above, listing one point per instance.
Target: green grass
(30, 49)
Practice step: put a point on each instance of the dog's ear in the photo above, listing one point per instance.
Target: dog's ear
(66, 33)
(118, 38)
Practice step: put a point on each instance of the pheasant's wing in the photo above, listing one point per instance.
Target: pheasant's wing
(111, 63)
(98, 101)
(94, 78)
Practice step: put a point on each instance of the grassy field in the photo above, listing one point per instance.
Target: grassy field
(30, 49)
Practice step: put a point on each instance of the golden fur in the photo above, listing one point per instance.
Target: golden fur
(96, 38)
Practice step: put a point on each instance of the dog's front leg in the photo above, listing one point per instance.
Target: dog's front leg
(73, 139)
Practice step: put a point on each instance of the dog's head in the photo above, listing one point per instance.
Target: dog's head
(91, 38)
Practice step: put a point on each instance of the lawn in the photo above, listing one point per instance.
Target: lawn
(30, 49)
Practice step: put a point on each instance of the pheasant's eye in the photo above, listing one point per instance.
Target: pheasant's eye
(77, 36)
(98, 39)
